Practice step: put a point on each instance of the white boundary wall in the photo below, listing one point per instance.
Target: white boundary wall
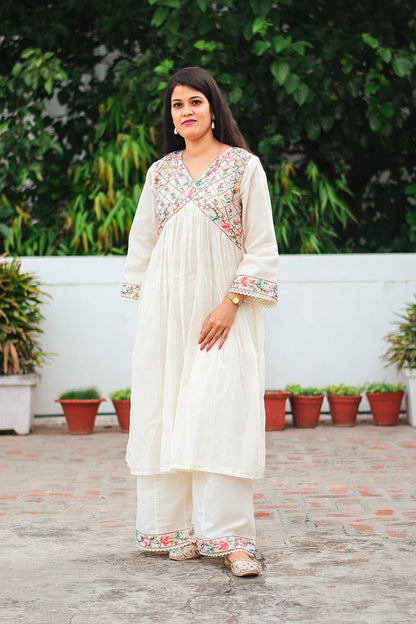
(328, 327)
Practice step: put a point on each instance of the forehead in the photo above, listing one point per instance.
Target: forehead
(182, 92)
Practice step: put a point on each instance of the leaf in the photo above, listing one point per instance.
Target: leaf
(28, 52)
(385, 54)
(49, 85)
(410, 189)
(17, 69)
(292, 83)
(203, 4)
(235, 95)
(260, 26)
(375, 121)
(5, 231)
(301, 94)
(299, 47)
(371, 88)
(401, 66)
(159, 16)
(280, 71)
(387, 110)
(369, 40)
(280, 43)
(260, 47)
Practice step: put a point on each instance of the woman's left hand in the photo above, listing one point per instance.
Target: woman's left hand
(217, 325)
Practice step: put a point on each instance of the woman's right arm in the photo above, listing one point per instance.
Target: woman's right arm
(142, 239)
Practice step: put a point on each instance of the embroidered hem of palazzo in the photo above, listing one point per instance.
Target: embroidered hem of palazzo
(191, 242)
(209, 548)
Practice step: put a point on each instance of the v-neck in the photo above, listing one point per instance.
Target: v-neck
(207, 170)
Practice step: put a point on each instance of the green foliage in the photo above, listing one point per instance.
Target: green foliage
(402, 341)
(108, 185)
(382, 386)
(323, 91)
(307, 213)
(26, 138)
(343, 390)
(304, 391)
(121, 395)
(82, 394)
(20, 302)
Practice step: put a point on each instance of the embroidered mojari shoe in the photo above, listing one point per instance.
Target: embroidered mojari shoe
(243, 568)
(181, 553)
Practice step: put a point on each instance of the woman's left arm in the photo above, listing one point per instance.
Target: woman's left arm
(256, 275)
(256, 278)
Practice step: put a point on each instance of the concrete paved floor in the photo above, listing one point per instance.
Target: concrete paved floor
(336, 518)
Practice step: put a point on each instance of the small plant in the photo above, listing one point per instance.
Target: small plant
(80, 394)
(384, 387)
(304, 391)
(121, 395)
(402, 350)
(20, 317)
(342, 390)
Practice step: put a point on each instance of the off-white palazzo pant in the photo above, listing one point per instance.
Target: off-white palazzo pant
(213, 511)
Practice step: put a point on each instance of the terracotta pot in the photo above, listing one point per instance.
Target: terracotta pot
(122, 407)
(306, 410)
(344, 409)
(80, 414)
(275, 406)
(385, 407)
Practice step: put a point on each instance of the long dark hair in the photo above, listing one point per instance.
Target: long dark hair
(226, 129)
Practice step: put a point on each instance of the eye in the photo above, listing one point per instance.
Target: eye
(196, 102)
(176, 105)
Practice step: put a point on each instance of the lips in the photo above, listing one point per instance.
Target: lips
(188, 122)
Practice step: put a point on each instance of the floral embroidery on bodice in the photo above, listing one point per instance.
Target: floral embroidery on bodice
(216, 192)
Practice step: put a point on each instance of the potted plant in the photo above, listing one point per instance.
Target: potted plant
(20, 351)
(275, 407)
(306, 403)
(385, 400)
(402, 354)
(343, 404)
(121, 402)
(80, 409)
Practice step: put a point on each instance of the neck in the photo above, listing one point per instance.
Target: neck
(202, 146)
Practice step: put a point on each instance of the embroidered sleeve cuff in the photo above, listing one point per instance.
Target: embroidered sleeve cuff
(257, 291)
(130, 292)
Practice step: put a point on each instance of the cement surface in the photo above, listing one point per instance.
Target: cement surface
(336, 520)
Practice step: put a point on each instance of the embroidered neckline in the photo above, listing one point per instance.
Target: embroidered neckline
(207, 171)
(216, 192)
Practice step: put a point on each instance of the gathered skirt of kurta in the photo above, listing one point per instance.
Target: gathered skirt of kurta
(192, 409)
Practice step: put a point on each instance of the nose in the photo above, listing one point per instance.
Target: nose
(187, 109)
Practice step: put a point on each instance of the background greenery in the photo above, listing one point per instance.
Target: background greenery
(323, 91)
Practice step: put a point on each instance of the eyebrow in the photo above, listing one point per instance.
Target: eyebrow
(193, 97)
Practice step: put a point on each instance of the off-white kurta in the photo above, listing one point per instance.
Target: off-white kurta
(191, 242)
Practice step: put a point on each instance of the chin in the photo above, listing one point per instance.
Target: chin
(194, 133)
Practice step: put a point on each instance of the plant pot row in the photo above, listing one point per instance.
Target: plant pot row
(306, 410)
(80, 414)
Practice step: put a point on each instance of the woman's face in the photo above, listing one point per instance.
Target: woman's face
(191, 113)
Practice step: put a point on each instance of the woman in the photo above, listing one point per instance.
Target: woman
(202, 251)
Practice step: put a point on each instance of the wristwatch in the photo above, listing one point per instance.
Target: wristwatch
(236, 301)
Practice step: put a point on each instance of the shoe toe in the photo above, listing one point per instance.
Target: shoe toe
(243, 568)
(181, 553)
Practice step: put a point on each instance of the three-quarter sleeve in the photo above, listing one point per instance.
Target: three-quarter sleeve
(142, 239)
(256, 275)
